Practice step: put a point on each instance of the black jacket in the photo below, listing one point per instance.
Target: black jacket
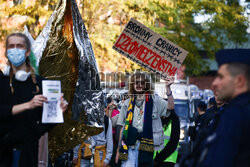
(23, 130)
(174, 138)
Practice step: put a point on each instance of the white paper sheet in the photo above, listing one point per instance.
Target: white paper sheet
(52, 112)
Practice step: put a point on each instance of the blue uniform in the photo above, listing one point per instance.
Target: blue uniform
(201, 144)
(229, 145)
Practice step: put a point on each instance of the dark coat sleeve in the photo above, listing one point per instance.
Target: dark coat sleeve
(5, 110)
(39, 129)
(174, 139)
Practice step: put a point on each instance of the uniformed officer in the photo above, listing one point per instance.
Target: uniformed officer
(225, 142)
(229, 144)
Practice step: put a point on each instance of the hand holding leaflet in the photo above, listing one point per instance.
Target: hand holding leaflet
(52, 112)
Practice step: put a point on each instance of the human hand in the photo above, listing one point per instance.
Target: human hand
(109, 109)
(64, 103)
(111, 105)
(104, 164)
(37, 101)
(169, 81)
(106, 111)
(74, 161)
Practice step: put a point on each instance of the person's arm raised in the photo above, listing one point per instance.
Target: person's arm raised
(169, 82)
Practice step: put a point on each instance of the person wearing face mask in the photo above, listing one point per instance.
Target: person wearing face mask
(21, 104)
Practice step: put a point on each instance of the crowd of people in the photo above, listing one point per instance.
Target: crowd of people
(141, 129)
(222, 130)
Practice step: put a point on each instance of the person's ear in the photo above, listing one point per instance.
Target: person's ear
(241, 81)
(27, 53)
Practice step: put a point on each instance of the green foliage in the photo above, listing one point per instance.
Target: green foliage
(173, 19)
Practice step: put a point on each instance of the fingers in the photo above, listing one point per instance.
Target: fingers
(75, 161)
(62, 94)
(64, 104)
(169, 81)
(40, 98)
(37, 101)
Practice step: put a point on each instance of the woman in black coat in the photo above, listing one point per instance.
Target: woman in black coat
(21, 104)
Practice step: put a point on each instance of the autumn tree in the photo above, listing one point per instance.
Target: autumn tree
(173, 19)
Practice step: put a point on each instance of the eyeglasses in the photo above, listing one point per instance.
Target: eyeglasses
(139, 82)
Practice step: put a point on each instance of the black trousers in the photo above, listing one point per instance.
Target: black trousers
(166, 164)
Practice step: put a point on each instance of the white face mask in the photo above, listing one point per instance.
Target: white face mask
(21, 75)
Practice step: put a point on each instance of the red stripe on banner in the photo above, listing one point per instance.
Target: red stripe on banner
(144, 54)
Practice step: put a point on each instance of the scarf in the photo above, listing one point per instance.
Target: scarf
(128, 122)
(146, 147)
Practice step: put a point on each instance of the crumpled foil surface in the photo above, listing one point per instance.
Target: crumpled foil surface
(88, 96)
(27, 33)
(41, 41)
(66, 54)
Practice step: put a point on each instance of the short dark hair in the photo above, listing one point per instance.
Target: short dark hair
(202, 106)
(239, 68)
(109, 100)
(212, 101)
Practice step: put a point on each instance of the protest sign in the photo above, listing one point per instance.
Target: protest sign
(149, 49)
